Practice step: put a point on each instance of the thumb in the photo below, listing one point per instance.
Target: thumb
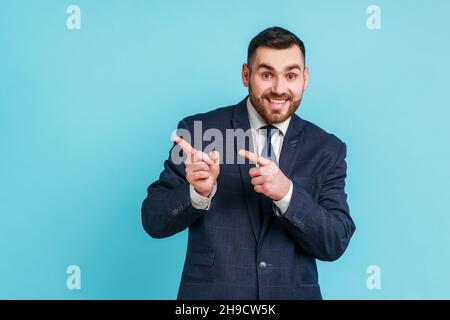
(215, 156)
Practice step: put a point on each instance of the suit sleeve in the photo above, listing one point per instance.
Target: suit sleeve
(167, 209)
(323, 228)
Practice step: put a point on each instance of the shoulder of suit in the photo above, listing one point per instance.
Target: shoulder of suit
(218, 116)
(317, 133)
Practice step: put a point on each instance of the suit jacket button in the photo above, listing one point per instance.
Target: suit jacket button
(262, 265)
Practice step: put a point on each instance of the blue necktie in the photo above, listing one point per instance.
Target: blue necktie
(267, 151)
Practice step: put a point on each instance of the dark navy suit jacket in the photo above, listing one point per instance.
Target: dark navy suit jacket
(239, 248)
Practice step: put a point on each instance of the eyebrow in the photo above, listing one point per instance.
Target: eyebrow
(288, 68)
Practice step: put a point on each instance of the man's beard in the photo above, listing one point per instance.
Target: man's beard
(269, 116)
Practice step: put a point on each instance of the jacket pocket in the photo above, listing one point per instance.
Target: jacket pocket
(306, 290)
(308, 283)
(199, 267)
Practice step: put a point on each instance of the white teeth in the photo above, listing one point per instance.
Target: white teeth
(277, 101)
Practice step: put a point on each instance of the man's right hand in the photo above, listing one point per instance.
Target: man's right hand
(202, 169)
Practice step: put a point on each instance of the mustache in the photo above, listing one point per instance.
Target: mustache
(274, 96)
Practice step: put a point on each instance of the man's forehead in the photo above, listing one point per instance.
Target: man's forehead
(278, 59)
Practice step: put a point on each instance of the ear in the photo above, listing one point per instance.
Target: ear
(306, 78)
(245, 75)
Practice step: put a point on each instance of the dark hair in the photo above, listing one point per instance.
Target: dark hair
(276, 38)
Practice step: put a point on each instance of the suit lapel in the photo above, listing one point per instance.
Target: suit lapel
(289, 152)
(241, 121)
(291, 145)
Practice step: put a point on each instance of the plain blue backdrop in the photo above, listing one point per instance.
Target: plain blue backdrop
(86, 117)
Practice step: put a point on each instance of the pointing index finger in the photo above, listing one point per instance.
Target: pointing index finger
(193, 155)
(254, 157)
(183, 144)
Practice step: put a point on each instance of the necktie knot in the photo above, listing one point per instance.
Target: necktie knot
(269, 130)
(267, 151)
(269, 127)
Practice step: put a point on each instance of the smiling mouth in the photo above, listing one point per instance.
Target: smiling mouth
(277, 102)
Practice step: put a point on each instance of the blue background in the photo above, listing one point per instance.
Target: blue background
(86, 117)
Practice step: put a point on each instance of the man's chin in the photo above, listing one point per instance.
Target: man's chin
(276, 118)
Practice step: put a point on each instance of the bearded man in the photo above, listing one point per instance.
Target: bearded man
(256, 227)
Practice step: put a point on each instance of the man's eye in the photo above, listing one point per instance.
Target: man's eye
(266, 75)
(291, 76)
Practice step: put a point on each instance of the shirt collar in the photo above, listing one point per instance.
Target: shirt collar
(256, 121)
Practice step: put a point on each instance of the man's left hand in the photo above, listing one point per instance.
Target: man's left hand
(267, 178)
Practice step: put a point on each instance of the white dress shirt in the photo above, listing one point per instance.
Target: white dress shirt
(259, 139)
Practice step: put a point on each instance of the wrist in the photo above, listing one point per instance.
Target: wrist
(205, 194)
(285, 190)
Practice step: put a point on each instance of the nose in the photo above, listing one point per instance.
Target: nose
(279, 86)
